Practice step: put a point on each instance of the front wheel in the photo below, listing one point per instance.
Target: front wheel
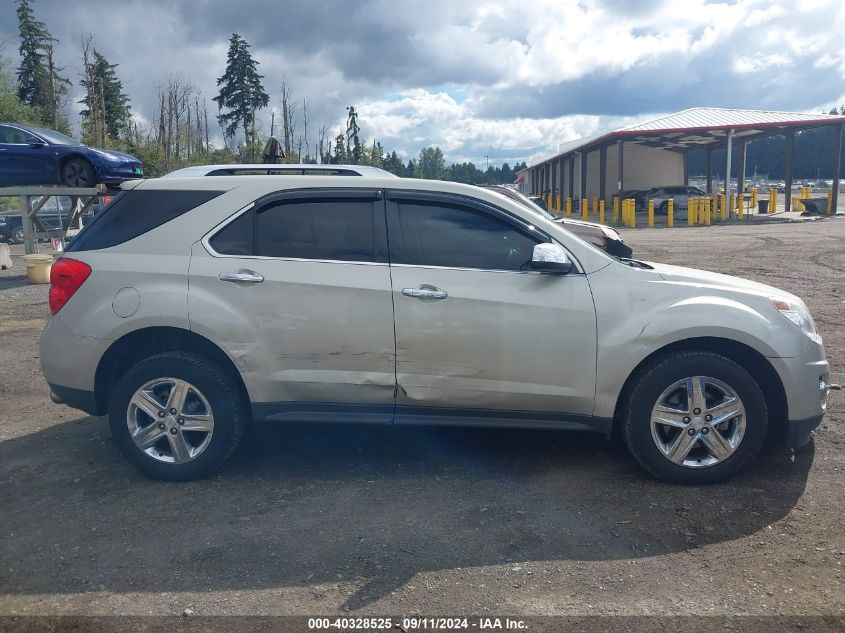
(78, 172)
(695, 418)
(177, 416)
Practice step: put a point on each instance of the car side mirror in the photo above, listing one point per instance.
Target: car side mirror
(550, 258)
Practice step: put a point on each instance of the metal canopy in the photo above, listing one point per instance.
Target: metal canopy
(700, 128)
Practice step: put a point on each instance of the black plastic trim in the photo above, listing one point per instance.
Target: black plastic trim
(416, 415)
(799, 431)
(75, 398)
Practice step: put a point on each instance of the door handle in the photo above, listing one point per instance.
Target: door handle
(425, 292)
(245, 276)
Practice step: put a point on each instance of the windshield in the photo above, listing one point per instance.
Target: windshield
(528, 202)
(56, 138)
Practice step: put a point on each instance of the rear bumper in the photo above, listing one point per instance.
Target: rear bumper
(74, 398)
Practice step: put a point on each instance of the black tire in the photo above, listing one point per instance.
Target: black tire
(664, 208)
(660, 375)
(224, 395)
(78, 172)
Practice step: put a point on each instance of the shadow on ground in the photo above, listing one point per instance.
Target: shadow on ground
(304, 505)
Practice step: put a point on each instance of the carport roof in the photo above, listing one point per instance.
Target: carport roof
(699, 127)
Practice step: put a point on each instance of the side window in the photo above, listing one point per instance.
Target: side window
(436, 234)
(133, 213)
(236, 238)
(334, 229)
(5, 134)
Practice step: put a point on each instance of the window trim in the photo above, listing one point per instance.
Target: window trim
(396, 196)
(309, 194)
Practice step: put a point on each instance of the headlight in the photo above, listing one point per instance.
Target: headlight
(106, 155)
(798, 313)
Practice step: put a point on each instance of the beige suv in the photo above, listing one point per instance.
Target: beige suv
(190, 307)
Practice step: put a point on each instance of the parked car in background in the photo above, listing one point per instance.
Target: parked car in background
(604, 237)
(38, 156)
(280, 170)
(680, 196)
(189, 308)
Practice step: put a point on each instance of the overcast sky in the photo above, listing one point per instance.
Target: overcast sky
(506, 79)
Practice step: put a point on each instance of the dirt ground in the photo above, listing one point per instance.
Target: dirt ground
(351, 520)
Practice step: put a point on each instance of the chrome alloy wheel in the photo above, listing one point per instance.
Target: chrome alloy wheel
(697, 422)
(170, 420)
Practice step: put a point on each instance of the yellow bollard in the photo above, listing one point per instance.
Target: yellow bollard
(690, 211)
(774, 206)
(732, 203)
(558, 204)
(707, 211)
(651, 214)
(633, 211)
(723, 207)
(670, 213)
(585, 210)
(615, 209)
(568, 206)
(549, 204)
(830, 202)
(754, 202)
(595, 206)
(796, 204)
(740, 207)
(601, 211)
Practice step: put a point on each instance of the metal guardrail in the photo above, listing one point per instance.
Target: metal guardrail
(33, 200)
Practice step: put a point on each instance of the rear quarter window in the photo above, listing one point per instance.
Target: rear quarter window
(133, 213)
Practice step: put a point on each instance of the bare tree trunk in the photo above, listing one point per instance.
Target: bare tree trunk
(321, 143)
(286, 116)
(205, 114)
(305, 130)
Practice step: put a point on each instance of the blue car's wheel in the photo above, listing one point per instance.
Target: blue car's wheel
(78, 172)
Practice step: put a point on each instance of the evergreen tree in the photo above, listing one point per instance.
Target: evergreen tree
(339, 151)
(353, 143)
(411, 169)
(104, 98)
(241, 91)
(32, 74)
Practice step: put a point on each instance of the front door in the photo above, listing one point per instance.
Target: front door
(24, 159)
(298, 289)
(479, 336)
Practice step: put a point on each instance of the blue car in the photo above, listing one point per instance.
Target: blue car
(36, 156)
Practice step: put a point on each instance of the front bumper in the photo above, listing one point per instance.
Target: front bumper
(798, 431)
(805, 380)
(120, 172)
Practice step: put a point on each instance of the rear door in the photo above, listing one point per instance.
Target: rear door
(480, 337)
(297, 289)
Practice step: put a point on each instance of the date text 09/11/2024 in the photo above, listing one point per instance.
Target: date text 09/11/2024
(417, 623)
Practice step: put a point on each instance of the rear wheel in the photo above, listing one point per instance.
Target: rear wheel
(664, 208)
(78, 172)
(177, 416)
(694, 418)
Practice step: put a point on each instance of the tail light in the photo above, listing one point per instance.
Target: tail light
(66, 276)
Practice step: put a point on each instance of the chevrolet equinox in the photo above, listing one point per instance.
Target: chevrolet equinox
(191, 306)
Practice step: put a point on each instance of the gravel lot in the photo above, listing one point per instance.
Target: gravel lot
(318, 519)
